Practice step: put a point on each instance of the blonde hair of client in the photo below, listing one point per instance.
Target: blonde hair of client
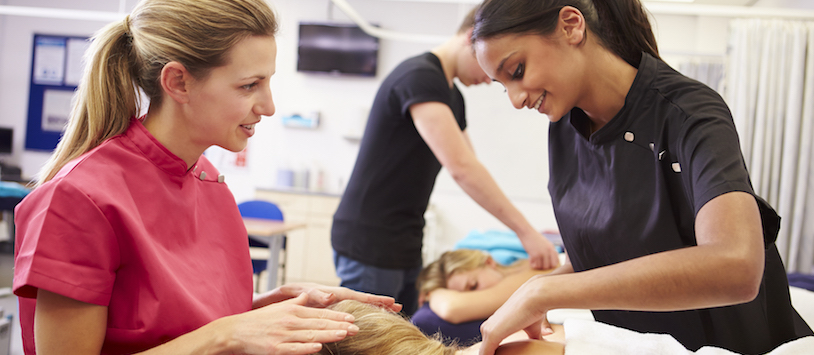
(438, 273)
(385, 333)
(465, 284)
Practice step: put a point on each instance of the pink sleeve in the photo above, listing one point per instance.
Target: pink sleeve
(64, 244)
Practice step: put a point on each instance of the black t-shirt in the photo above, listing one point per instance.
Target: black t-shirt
(380, 218)
(634, 188)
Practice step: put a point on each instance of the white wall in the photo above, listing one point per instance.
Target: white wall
(512, 144)
(16, 37)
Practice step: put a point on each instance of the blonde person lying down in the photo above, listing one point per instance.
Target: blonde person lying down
(465, 285)
(382, 332)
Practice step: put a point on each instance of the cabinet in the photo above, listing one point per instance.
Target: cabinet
(309, 256)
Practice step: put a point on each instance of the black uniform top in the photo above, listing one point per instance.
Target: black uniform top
(380, 218)
(634, 187)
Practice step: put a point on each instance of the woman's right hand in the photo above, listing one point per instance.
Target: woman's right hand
(288, 327)
(524, 310)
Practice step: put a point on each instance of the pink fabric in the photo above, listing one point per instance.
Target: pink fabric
(128, 227)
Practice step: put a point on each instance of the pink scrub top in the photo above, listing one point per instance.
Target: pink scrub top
(128, 227)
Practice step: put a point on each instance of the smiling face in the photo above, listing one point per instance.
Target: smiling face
(540, 73)
(477, 279)
(225, 105)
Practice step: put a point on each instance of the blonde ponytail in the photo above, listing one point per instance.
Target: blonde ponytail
(105, 100)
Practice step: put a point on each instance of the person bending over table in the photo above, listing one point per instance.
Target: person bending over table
(651, 194)
(417, 124)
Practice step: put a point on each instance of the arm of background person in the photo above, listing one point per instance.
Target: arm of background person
(457, 307)
(725, 268)
(436, 124)
(66, 326)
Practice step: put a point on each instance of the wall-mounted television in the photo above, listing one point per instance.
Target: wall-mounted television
(336, 49)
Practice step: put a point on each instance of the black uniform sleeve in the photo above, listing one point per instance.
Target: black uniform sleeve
(710, 158)
(421, 85)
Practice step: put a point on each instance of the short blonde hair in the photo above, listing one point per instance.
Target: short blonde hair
(436, 274)
(382, 332)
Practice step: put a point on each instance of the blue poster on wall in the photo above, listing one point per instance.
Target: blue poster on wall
(56, 69)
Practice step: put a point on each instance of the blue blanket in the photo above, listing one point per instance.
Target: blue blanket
(11, 189)
(503, 246)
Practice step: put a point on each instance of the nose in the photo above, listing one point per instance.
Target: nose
(265, 103)
(516, 96)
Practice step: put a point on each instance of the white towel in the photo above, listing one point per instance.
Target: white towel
(585, 337)
(589, 337)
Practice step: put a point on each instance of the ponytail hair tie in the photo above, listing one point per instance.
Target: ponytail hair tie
(127, 32)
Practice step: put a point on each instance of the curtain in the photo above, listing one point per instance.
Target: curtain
(770, 90)
(708, 70)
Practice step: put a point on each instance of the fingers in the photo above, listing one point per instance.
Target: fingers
(534, 331)
(296, 348)
(549, 259)
(490, 342)
(545, 328)
(381, 301)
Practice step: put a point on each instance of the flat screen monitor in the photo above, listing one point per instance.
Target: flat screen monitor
(337, 49)
(6, 140)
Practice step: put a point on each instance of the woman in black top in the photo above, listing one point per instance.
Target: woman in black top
(663, 231)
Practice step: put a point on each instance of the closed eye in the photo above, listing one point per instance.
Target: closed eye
(519, 71)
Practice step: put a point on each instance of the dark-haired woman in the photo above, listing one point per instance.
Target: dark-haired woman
(131, 242)
(663, 230)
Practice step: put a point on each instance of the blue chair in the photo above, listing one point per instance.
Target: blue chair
(262, 210)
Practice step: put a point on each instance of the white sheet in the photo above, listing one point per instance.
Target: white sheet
(585, 337)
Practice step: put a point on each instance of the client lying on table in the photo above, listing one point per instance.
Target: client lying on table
(464, 287)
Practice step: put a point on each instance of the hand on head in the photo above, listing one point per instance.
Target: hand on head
(321, 296)
(290, 327)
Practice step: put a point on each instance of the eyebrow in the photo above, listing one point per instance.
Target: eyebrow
(503, 62)
(259, 76)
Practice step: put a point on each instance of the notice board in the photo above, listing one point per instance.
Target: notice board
(56, 68)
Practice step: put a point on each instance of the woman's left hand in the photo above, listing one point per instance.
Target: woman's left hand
(320, 296)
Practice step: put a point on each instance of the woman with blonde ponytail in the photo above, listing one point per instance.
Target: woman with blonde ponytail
(131, 241)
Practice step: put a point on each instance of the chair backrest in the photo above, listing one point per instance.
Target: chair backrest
(260, 209)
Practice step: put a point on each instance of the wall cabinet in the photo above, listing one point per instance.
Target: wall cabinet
(308, 252)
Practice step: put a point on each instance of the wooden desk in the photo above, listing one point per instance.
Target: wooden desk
(273, 233)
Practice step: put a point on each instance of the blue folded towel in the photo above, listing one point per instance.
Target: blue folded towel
(12, 189)
(503, 246)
